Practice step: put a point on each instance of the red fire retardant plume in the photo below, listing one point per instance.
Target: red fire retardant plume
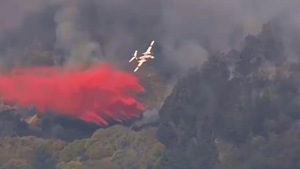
(98, 95)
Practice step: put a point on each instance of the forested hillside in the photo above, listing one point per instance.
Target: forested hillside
(239, 110)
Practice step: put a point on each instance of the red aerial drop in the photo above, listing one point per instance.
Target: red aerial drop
(98, 95)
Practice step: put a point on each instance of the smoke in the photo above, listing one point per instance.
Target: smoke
(186, 31)
(12, 13)
(149, 116)
(99, 95)
(72, 38)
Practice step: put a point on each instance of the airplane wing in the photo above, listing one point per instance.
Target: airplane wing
(148, 51)
(139, 64)
(134, 56)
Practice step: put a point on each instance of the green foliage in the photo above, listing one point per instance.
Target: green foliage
(72, 150)
(105, 163)
(17, 164)
(70, 165)
(111, 148)
(30, 151)
(125, 147)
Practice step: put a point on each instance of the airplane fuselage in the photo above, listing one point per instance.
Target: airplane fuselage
(146, 57)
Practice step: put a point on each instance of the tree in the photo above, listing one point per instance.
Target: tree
(70, 165)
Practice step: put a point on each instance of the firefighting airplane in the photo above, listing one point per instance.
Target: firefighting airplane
(143, 58)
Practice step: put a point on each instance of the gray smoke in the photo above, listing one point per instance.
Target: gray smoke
(222, 24)
(149, 116)
(12, 13)
(186, 31)
(72, 39)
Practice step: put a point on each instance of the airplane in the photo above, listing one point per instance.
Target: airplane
(143, 58)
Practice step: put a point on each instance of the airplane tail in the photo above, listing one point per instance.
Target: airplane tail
(134, 56)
